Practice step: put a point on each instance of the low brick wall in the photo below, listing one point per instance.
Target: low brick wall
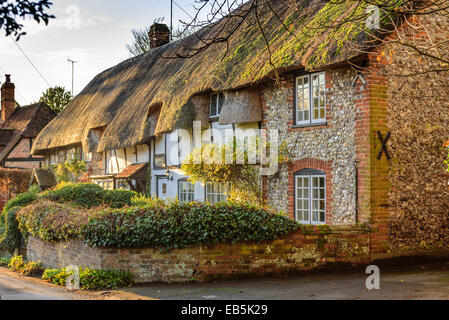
(297, 252)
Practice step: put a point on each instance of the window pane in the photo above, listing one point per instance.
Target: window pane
(220, 102)
(213, 105)
(322, 216)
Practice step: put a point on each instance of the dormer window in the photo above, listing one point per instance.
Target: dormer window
(216, 103)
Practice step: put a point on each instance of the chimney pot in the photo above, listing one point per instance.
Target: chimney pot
(159, 35)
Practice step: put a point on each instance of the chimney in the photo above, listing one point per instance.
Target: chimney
(7, 98)
(159, 35)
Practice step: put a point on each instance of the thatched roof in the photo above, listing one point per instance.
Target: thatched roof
(121, 98)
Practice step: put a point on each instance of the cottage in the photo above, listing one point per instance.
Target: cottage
(352, 130)
(19, 127)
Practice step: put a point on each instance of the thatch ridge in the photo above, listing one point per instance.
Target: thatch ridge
(121, 98)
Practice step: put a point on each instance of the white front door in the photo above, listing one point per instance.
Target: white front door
(162, 186)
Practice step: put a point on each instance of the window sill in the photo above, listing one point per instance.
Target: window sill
(308, 125)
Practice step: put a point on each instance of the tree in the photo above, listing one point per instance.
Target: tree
(237, 163)
(10, 11)
(56, 98)
(371, 22)
(141, 42)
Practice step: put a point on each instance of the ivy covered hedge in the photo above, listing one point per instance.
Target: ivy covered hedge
(88, 195)
(175, 225)
(179, 225)
(121, 219)
(61, 221)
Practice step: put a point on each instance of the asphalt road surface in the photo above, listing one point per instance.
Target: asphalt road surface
(409, 282)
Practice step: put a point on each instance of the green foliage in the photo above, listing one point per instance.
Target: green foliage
(51, 221)
(237, 162)
(119, 198)
(85, 195)
(4, 262)
(179, 225)
(11, 12)
(34, 189)
(20, 200)
(18, 264)
(56, 276)
(57, 98)
(141, 200)
(91, 279)
(88, 195)
(70, 170)
(10, 236)
(105, 279)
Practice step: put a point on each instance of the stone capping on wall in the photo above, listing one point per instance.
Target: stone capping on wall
(300, 251)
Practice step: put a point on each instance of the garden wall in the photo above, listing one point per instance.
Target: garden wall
(298, 252)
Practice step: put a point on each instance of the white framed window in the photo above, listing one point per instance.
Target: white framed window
(186, 191)
(217, 192)
(216, 103)
(54, 157)
(310, 196)
(87, 156)
(310, 105)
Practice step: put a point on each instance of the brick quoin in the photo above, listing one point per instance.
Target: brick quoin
(309, 163)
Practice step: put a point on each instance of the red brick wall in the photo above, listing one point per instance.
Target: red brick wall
(298, 252)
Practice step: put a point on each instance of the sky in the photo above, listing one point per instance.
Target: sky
(92, 32)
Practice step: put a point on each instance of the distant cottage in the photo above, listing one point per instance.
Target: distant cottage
(19, 127)
(353, 132)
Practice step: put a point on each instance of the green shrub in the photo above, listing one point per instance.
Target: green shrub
(142, 200)
(85, 195)
(34, 189)
(173, 225)
(4, 262)
(105, 279)
(88, 195)
(51, 221)
(118, 198)
(56, 276)
(179, 225)
(91, 279)
(20, 200)
(10, 238)
(18, 264)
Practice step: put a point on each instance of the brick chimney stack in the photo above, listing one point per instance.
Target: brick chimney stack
(159, 35)
(7, 98)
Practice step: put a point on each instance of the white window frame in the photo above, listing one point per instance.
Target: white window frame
(188, 195)
(54, 157)
(217, 104)
(310, 199)
(216, 194)
(308, 98)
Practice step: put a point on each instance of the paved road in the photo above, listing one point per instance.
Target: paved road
(411, 282)
(16, 287)
(13, 287)
(414, 282)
